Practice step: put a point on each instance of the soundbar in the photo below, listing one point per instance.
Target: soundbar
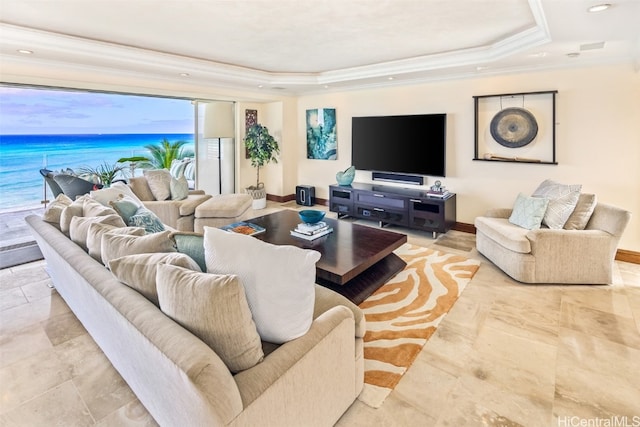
(398, 177)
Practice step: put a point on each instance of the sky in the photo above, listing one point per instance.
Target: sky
(26, 111)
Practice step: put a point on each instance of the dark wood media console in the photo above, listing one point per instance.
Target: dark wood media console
(407, 207)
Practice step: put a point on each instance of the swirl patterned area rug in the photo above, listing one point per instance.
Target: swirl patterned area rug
(404, 313)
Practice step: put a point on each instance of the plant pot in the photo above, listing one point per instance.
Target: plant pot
(259, 196)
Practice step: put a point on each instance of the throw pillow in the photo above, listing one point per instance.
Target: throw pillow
(580, 216)
(146, 219)
(140, 187)
(106, 195)
(139, 271)
(97, 230)
(177, 167)
(278, 280)
(159, 181)
(528, 211)
(116, 246)
(214, 308)
(125, 206)
(562, 201)
(179, 188)
(54, 211)
(92, 207)
(76, 208)
(79, 228)
(191, 244)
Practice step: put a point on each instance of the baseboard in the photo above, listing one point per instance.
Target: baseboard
(464, 227)
(628, 256)
(281, 199)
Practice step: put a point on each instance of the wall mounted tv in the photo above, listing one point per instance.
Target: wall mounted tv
(412, 144)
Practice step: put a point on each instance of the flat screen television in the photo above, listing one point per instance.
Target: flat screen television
(411, 144)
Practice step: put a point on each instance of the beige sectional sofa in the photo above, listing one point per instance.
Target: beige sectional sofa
(308, 381)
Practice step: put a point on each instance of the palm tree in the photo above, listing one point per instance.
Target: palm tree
(162, 155)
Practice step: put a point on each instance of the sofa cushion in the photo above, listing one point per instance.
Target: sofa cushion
(54, 211)
(92, 207)
(179, 188)
(214, 308)
(580, 216)
(106, 195)
(278, 280)
(191, 244)
(159, 181)
(116, 246)
(146, 219)
(97, 230)
(140, 187)
(79, 228)
(76, 208)
(562, 201)
(139, 271)
(508, 235)
(528, 212)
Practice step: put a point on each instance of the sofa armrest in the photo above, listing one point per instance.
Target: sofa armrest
(197, 192)
(326, 299)
(574, 256)
(255, 381)
(499, 213)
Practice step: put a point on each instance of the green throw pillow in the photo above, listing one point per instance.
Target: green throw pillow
(191, 244)
(125, 206)
(528, 211)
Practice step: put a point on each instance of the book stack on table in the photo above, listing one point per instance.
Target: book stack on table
(311, 231)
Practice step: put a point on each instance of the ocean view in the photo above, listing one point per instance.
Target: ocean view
(22, 157)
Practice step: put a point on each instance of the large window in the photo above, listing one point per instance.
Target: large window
(58, 129)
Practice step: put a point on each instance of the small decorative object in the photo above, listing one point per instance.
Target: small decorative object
(311, 216)
(437, 186)
(262, 149)
(322, 142)
(244, 227)
(346, 177)
(514, 127)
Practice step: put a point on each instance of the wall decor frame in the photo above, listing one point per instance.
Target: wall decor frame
(516, 127)
(322, 141)
(250, 119)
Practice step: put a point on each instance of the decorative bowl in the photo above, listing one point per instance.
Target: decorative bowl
(311, 216)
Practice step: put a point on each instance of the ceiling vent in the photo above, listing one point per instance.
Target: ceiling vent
(591, 46)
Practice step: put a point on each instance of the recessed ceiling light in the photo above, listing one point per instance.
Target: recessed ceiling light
(599, 7)
(326, 86)
(573, 54)
(25, 51)
(390, 78)
(260, 86)
(481, 67)
(539, 54)
(184, 74)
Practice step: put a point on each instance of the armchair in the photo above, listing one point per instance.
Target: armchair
(553, 256)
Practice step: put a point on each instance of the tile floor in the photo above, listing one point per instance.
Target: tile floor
(507, 354)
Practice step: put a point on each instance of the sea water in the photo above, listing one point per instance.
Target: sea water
(22, 157)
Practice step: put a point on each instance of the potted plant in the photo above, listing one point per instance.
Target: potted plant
(103, 174)
(262, 149)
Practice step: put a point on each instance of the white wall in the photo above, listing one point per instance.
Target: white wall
(597, 139)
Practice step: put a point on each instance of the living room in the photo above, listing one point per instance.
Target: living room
(506, 354)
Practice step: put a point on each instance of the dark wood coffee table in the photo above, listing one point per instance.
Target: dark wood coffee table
(356, 259)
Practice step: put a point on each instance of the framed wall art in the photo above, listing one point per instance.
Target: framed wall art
(322, 141)
(250, 119)
(516, 127)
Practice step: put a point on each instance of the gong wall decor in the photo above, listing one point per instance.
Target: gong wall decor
(515, 127)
